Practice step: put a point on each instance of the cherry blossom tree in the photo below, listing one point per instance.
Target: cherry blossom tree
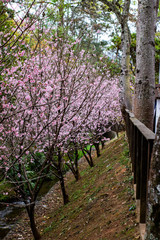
(42, 96)
(105, 112)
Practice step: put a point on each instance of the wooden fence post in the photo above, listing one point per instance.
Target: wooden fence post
(132, 144)
(134, 151)
(140, 143)
(144, 179)
(138, 165)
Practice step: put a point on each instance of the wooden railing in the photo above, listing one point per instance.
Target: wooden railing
(141, 141)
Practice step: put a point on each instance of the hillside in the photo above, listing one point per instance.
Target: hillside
(102, 206)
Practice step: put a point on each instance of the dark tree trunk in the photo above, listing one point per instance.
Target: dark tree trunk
(73, 165)
(97, 149)
(61, 178)
(89, 159)
(64, 194)
(30, 211)
(103, 145)
(77, 175)
(75, 171)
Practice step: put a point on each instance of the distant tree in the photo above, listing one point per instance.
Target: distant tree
(121, 10)
(116, 47)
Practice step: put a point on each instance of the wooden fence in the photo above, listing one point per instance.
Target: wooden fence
(141, 141)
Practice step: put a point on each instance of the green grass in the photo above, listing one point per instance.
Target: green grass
(92, 190)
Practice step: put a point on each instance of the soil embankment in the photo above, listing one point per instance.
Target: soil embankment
(102, 206)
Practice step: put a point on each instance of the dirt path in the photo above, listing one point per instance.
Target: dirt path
(101, 204)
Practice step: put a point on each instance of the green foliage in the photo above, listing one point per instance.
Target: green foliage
(157, 55)
(6, 17)
(77, 194)
(116, 47)
(115, 43)
(81, 20)
(80, 153)
(112, 65)
(6, 24)
(28, 174)
(132, 207)
(12, 41)
(158, 10)
(6, 191)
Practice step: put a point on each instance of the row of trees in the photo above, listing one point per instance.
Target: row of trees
(55, 98)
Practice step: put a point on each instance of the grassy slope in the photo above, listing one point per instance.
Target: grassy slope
(101, 204)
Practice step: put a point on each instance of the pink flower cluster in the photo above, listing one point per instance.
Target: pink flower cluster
(52, 98)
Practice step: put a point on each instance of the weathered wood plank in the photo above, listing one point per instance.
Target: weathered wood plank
(141, 141)
(146, 132)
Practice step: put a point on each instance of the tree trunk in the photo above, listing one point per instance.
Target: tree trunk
(75, 171)
(73, 165)
(97, 149)
(77, 175)
(145, 62)
(153, 215)
(103, 144)
(61, 178)
(64, 194)
(125, 93)
(35, 232)
(90, 159)
(122, 14)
